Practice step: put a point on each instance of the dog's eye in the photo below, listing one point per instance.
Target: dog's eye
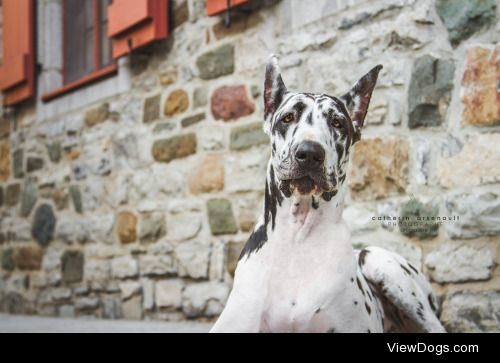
(287, 118)
(335, 122)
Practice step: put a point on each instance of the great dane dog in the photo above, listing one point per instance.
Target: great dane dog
(298, 271)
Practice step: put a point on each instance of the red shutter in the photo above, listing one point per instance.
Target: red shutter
(215, 7)
(136, 23)
(17, 71)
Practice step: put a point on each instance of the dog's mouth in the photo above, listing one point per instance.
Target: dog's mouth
(305, 185)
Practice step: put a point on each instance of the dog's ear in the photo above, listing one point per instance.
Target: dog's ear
(274, 88)
(357, 99)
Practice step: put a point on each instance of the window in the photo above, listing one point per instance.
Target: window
(87, 48)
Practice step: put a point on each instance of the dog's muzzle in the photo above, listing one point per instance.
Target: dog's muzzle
(308, 171)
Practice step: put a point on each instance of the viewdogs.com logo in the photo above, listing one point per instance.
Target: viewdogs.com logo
(417, 219)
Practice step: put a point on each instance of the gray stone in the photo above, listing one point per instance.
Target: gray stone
(8, 263)
(164, 126)
(184, 225)
(44, 224)
(124, 267)
(76, 197)
(197, 298)
(463, 18)
(98, 228)
(156, 265)
(175, 147)
(151, 109)
(478, 215)
(192, 259)
(97, 270)
(129, 289)
(200, 97)
(12, 194)
(216, 63)
(17, 163)
(132, 308)
(152, 226)
(60, 294)
(169, 293)
(72, 266)
(29, 198)
(51, 264)
(87, 303)
(419, 220)
(221, 217)
(34, 164)
(192, 120)
(244, 137)
(97, 115)
(460, 263)
(466, 312)
(148, 294)
(79, 171)
(111, 308)
(67, 311)
(54, 151)
(430, 91)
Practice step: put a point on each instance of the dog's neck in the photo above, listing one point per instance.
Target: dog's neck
(301, 210)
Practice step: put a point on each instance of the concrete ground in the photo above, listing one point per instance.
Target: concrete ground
(36, 324)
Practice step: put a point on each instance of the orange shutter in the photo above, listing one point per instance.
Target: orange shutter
(215, 7)
(136, 23)
(17, 71)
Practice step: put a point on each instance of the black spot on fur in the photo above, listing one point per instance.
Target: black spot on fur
(368, 309)
(309, 119)
(352, 279)
(368, 331)
(362, 257)
(431, 302)
(355, 302)
(272, 198)
(255, 242)
(332, 330)
(420, 313)
(413, 268)
(405, 270)
(359, 286)
(315, 204)
(317, 311)
(327, 196)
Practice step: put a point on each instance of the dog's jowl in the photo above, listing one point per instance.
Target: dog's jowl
(298, 271)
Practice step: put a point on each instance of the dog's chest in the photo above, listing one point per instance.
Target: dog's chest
(307, 286)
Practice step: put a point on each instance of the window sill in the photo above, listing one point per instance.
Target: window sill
(85, 81)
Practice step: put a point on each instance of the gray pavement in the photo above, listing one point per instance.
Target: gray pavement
(36, 324)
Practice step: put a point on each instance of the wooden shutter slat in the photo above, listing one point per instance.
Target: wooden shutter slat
(215, 7)
(125, 14)
(136, 23)
(13, 72)
(17, 72)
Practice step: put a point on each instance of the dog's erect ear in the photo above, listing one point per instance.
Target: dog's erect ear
(274, 88)
(357, 99)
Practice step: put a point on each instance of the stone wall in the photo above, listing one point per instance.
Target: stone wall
(137, 206)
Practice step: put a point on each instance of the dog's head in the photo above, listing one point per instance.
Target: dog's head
(311, 134)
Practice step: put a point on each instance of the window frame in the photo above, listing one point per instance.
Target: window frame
(99, 72)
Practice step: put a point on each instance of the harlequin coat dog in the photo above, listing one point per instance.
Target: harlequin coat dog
(298, 271)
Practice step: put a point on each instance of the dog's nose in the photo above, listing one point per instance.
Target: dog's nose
(310, 154)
